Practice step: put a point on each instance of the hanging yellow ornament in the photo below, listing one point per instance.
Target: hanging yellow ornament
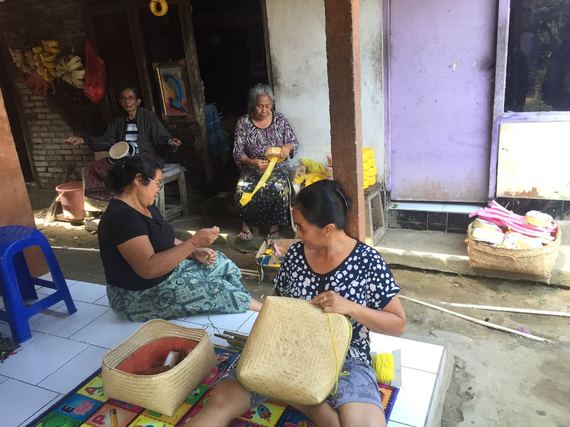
(158, 7)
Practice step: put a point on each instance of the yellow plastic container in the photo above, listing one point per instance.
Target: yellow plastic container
(369, 169)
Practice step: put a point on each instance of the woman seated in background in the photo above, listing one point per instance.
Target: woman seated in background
(340, 275)
(136, 125)
(257, 131)
(150, 273)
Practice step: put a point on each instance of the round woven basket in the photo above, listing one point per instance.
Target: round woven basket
(294, 352)
(163, 392)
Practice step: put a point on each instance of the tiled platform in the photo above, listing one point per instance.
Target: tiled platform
(64, 350)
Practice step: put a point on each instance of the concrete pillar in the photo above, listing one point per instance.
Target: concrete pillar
(15, 208)
(343, 67)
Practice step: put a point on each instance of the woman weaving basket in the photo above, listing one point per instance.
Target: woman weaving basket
(256, 132)
(341, 275)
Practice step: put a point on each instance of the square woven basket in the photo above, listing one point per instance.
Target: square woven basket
(294, 352)
(163, 392)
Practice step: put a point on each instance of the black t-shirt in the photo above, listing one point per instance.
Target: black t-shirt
(120, 223)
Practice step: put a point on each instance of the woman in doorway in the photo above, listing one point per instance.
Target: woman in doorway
(150, 273)
(257, 131)
(341, 275)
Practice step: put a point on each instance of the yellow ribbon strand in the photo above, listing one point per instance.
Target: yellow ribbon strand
(246, 197)
(335, 350)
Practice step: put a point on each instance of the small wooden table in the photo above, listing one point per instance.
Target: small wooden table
(173, 172)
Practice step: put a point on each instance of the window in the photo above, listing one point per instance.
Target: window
(538, 60)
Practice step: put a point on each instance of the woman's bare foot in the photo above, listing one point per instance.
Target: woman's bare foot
(255, 305)
(246, 232)
(273, 232)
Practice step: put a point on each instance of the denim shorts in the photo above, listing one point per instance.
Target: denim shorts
(357, 384)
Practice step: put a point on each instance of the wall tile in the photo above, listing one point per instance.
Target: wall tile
(437, 221)
(457, 223)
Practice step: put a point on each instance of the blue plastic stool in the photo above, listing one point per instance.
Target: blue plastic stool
(17, 284)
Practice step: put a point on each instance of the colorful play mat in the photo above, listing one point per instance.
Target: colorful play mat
(86, 405)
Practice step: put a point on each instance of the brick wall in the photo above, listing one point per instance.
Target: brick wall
(47, 121)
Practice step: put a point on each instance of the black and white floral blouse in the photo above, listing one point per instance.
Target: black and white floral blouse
(363, 277)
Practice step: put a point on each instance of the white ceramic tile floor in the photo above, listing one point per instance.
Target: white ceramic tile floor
(199, 319)
(246, 327)
(20, 401)
(230, 322)
(41, 290)
(103, 301)
(72, 347)
(87, 292)
(415, 354)
(57, 322)
(66, 378)
(40, 358)
(414, 397)
(106, 331)
(47, 312)
(5, 331)
(47, 276)
(221, 322)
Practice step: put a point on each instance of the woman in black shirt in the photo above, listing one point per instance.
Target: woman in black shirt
(150, 273)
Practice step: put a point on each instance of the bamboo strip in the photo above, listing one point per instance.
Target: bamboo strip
(510, 309)
(474, 320)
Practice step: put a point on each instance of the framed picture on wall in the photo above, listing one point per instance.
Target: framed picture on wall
(174, 88)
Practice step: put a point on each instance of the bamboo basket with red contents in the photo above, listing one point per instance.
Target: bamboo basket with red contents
(162, 392)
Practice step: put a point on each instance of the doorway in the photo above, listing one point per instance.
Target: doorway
(231, 44)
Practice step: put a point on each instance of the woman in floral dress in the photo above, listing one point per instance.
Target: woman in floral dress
(255, 132)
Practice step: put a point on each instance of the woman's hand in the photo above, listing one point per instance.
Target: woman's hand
(286, 151)
(173, 144)
(204, 256)
(261, 164)
(331, 302)
(75, 140)
(205, 236)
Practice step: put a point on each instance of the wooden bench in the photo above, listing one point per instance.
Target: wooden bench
(374, 214)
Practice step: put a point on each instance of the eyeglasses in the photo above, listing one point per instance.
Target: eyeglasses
(159, 184)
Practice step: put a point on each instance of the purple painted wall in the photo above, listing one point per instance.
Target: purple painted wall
(441, 68)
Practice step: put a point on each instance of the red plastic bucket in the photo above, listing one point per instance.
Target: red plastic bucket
(71, 199)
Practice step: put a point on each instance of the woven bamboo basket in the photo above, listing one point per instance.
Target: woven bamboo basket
(529, 262)
(163, 392)
(294, 352)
